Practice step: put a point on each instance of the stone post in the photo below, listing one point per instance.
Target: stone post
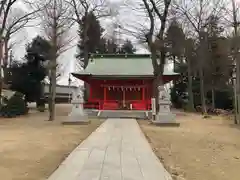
(77, 115)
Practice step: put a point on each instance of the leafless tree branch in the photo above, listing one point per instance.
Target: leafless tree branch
(56, 25)
(197, 12)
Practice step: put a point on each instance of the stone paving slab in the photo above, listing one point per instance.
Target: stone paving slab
(117, 150)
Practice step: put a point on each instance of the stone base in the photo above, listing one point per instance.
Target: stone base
(166, 119)
(76, 118)
(75, 122)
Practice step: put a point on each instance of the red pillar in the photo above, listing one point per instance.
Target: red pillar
(105, 94)
(143, 93)
(90, 92)
(104, 97)
(143, 97)
(124, 97)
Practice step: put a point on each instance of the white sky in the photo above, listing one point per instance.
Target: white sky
(127, 18)
(68, 59)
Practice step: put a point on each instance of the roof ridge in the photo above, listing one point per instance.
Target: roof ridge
(133, 56)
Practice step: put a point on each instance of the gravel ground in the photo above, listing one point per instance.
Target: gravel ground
(32, 148)
(200, 149)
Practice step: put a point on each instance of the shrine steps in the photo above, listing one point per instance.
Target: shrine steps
(123, 114)
(91, 113)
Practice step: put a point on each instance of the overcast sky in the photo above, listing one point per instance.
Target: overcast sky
(126, 18)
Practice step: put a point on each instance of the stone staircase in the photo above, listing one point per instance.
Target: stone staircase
(123, 114)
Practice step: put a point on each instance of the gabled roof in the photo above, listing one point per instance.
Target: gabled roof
(121, 66)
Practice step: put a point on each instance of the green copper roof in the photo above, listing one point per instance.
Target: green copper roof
(121, 65)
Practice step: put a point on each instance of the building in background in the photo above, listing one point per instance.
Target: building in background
(119, 82)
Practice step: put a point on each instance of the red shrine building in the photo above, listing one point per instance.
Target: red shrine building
(120, 82)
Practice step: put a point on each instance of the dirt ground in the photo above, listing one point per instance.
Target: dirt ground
(31, 148)
(200, 149)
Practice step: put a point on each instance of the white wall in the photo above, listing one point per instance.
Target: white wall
(61, 89)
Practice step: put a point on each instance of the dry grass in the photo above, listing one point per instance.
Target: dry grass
(32, 148)
(200, 149)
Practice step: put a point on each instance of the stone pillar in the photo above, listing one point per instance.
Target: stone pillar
(164, 115)
(77, 115)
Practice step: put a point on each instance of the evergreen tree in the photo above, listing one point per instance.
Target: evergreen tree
(107, 46)
(218, 66)
(90, 33)
(27, 77)
(38, 50)
(112, 47)
(217, 70)
(102, 47)
(127, 48)
(175, 42)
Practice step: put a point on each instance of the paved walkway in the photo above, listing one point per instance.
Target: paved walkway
(117, 150)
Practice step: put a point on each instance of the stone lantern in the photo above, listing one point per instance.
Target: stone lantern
(164, 115)
(77, 115)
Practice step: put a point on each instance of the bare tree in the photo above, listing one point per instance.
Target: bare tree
(197, 13)
(157, 11)
(56, 25)
(17, 21)
(5, 8)
(234, 22)
(7, 29)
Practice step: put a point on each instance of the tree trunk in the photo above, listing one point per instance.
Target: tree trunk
(158, 71)
(86, 60)
(190, 94)
(235, 101)
(5, 61)
(238, 90)
(202, 58)
(174, 67)
(50, 93)
(156, 83)
(213, 98)
(236, 59)
(202, 92)
(1, 71)
(53, 92)
(5, 58)
(190, 89)
(53, 64)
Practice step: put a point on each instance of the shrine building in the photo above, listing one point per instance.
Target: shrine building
(120, 82)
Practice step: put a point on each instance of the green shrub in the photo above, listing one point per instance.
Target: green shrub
(15, 106)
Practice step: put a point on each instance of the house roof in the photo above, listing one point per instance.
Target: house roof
(121, 65)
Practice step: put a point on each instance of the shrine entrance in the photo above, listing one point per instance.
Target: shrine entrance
(124, 97)
(120, 81)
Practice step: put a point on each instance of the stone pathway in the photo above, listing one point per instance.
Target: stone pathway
(117, 150)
